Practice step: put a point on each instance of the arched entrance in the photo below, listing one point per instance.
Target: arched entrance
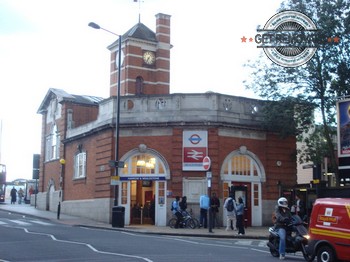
(242, 173)
(143, 187)
(49, 195)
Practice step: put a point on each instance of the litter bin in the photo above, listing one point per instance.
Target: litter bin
(118, 216)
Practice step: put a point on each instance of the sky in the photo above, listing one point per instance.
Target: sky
(48, 44)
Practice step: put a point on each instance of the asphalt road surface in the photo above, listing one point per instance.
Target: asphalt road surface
(30, 239)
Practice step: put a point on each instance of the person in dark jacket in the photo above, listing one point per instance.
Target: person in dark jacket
(183, 204)
(283, 218)
(13, 195)
(214, 205)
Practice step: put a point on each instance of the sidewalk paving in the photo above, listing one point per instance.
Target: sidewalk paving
(25, 209)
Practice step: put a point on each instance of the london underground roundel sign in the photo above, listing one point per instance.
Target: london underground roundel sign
(206, 163)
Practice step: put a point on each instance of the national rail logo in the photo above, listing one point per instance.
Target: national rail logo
(290, 38)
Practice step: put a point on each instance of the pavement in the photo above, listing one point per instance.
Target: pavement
(28, 210)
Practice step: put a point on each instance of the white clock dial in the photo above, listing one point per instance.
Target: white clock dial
(149, 57)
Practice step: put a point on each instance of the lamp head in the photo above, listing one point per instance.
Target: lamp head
(94, 25)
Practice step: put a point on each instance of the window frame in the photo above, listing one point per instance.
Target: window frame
(80, 168)
(53, 140)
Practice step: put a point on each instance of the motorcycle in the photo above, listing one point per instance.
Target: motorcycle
(296, 239)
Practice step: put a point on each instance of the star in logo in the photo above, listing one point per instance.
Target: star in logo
(336, 39)
(244, 39)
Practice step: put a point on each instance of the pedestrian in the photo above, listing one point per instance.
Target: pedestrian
(31, 191)
(240, 216)
(152, 209)
(204, 203)
(13, 195)
(230, 205)
(297, 208)
(183, 204)
(20, 195)
(176, 211)
(214, 205)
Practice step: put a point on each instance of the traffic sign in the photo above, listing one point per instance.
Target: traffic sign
(206, 163)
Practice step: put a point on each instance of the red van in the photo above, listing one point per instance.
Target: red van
(329, 229)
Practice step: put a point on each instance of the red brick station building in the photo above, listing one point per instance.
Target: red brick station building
(163, 139)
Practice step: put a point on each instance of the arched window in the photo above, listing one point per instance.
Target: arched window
(139, 86)
(144, 165)
(242, 165)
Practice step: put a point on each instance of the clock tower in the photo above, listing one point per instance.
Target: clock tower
(145, 68)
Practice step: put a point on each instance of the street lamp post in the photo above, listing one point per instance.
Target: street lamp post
(62, 162)
(115, 163)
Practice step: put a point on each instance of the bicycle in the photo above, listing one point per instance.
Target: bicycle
(186, 222)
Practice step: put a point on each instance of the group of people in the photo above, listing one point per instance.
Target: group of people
(14, 194)
(20, 194)
(235, 217)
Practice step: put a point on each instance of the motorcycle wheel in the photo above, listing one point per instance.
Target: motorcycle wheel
(325, 254)
(274, 252)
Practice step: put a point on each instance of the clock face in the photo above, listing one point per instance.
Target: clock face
(149, 57)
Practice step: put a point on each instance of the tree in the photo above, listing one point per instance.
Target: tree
(314, 85)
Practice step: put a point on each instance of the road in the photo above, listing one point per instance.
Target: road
(31, 239)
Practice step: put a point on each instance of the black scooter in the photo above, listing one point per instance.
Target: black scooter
(296, 239)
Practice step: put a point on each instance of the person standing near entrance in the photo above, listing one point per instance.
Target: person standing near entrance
(297, 208)
(240, 217)
(214, 205)
(204, 203)
(230, 205)
(152, 209)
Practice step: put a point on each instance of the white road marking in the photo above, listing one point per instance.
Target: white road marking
(128, 233)
(244, 242)
(20, 222)
(41, 223)
(262, 244)
(85, 244)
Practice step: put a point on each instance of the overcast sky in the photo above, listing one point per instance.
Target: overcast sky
(47, 44)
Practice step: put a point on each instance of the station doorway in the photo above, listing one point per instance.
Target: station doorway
(143, 186)
(142, 202)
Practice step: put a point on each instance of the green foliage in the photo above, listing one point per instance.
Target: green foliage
(289, 116)
(314, 86)
(316, 146)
